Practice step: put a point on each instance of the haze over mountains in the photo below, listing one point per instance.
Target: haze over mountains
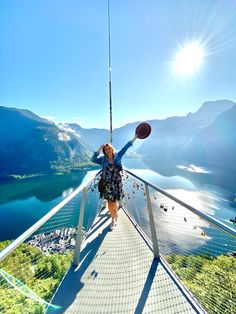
(31, 144)
(216, 143)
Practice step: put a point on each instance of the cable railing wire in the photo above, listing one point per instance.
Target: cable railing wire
(198, 249)
(39, 261)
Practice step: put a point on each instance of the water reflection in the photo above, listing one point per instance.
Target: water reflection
(214, 190)
(67, 192)
(44, 188)
(24, 202)
(198, 175)
(193, 168)
(163, 181)
(179, 230)
(202, 200)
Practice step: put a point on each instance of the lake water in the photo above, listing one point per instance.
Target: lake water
(198, 187)
(24, 202)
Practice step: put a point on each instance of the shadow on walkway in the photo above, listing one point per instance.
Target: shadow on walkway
(147, 286)
(72, 284)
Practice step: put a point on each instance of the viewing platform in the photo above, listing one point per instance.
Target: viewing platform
(118, 274)
(163, 256)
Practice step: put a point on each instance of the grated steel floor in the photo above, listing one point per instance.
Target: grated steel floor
(118, 274)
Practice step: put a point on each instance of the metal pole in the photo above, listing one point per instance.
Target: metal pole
(109, 50)
(152, 224)
(79, 233)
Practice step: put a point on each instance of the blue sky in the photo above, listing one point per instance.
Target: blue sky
(54, 58)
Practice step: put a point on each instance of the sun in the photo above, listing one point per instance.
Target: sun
(189, 59)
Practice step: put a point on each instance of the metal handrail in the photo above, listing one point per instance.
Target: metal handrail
(90, 176)
(6, 251)
(211, 220)
(153, 226)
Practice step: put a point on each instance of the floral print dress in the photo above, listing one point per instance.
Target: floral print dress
(113, 189)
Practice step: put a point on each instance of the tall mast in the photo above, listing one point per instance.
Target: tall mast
(110, 91)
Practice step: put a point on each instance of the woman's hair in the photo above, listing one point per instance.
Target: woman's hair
(103, 149)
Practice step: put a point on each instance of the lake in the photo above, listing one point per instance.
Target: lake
(210, 191)
(24, 202)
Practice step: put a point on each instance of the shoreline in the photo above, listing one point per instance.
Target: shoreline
(8, 178)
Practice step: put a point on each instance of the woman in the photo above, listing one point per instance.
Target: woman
(111, 168)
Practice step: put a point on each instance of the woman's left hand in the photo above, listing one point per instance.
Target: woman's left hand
(135, 138)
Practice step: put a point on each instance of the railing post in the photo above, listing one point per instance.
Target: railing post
(79, 232)
(152, 224)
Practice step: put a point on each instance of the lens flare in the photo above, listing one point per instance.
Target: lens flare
(189, 59)
(24, 290)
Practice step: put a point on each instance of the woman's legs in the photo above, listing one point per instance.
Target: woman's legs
(112, 206)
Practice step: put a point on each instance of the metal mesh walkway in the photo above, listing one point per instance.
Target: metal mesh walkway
(117, 274)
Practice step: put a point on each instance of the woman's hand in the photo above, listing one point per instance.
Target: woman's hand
(100, 148)
(135, 138)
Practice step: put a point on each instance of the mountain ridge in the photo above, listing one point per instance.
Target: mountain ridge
(217, 142)
(29, 143)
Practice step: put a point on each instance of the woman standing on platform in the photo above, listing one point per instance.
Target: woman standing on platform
(111, 174)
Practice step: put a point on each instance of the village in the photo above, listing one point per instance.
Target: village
(58, 241)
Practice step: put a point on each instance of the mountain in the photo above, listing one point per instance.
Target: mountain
(92, 138)
(29, 143)
(215, 144)
(170, 136)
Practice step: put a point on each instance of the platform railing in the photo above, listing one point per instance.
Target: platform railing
(198, 248)
(33, 265)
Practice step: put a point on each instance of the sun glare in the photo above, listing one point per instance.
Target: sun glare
(189, 59)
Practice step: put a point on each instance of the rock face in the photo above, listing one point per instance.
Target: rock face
(30, 144)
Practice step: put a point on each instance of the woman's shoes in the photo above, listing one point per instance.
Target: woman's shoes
(113, 223)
